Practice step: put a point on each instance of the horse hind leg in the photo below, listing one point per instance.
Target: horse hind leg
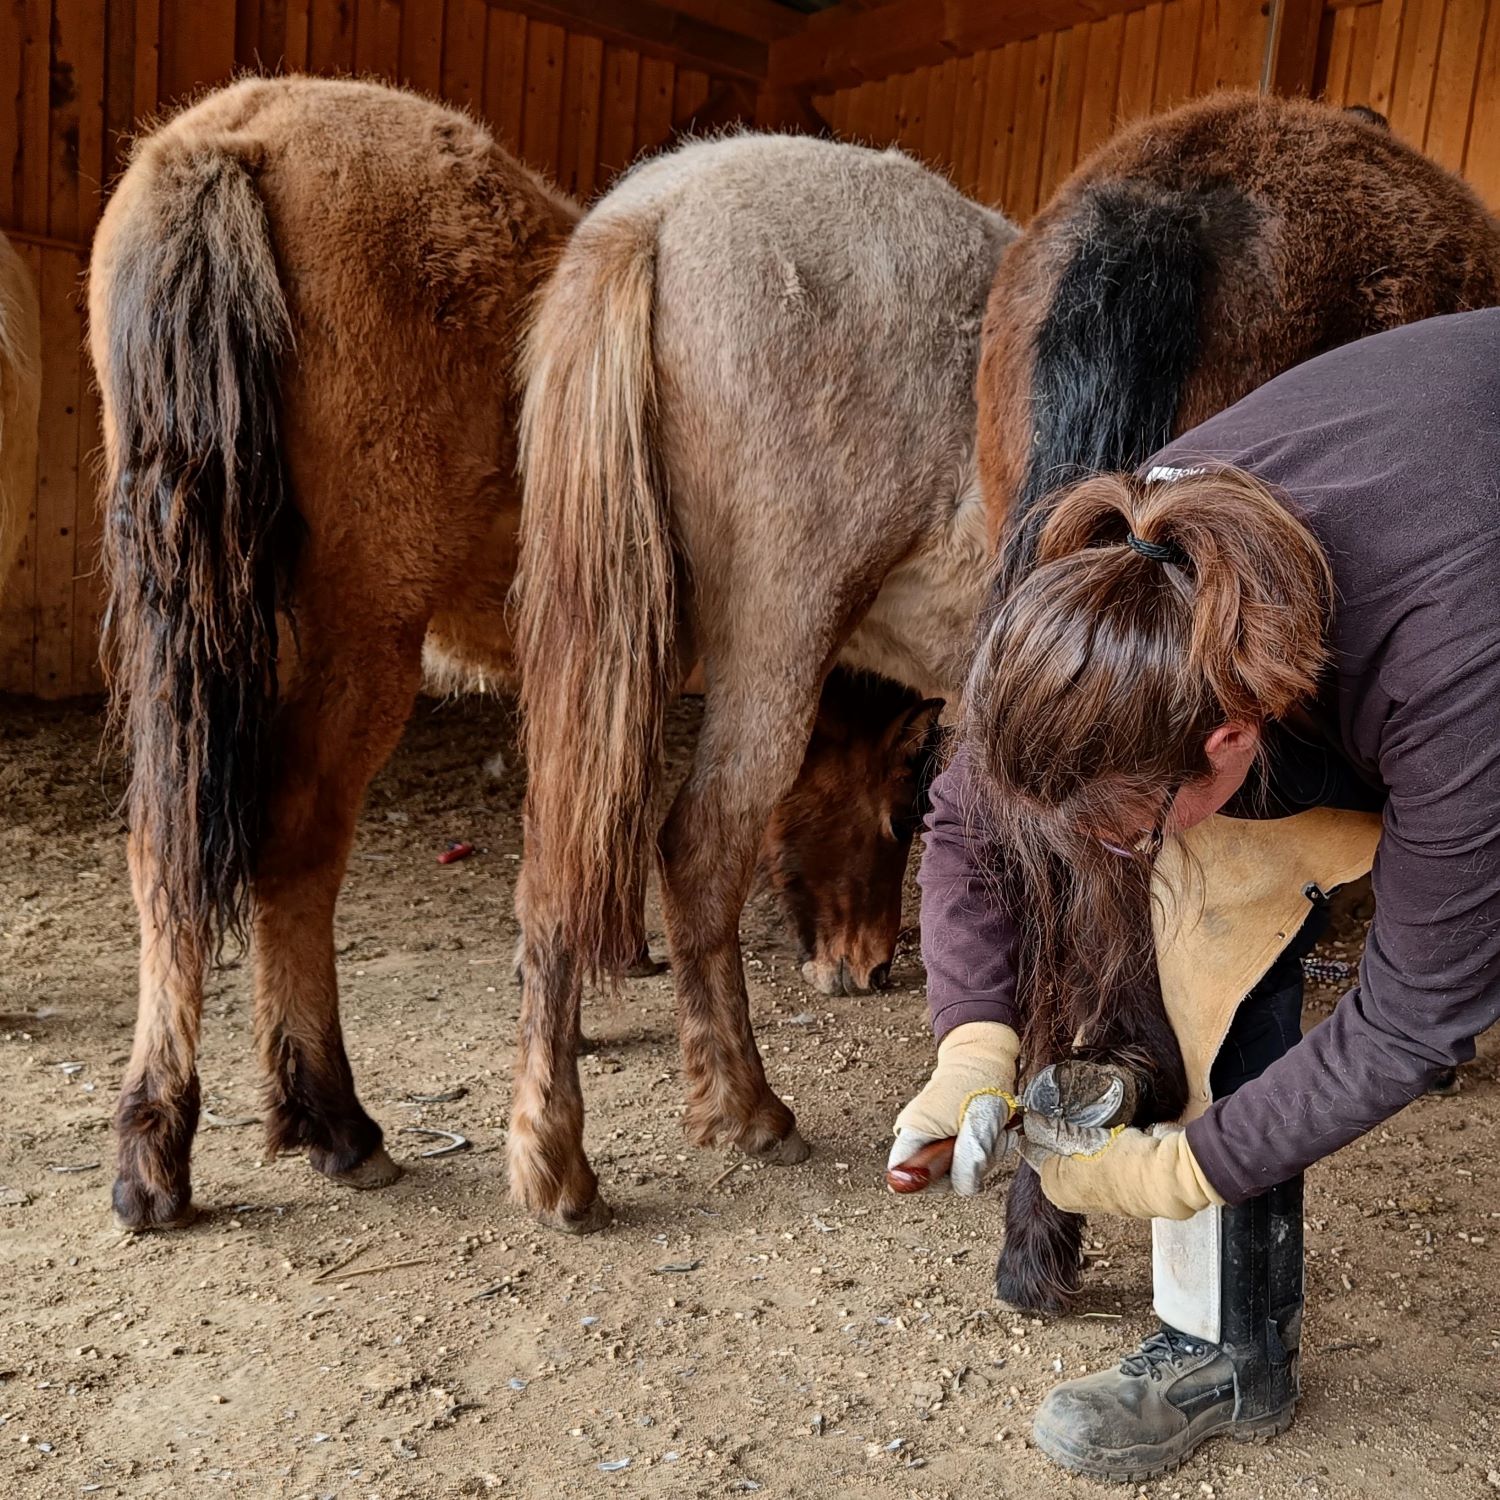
(157, 1114)
(335, 731)
(755, 730)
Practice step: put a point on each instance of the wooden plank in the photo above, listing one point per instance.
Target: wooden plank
(653, 110)
(422, 46)
(1064, 106)
(1138, 59)
(1177, 60)
(88, 584)
(32, 177)
(578, 146)
(1101, 83)
(463, 53)
(197, 41)
(18, 587)
(1208, 46)
(653, 29)
(689, 95)
(296, 58)
(968, 115)
(57, 471)
(867, 113)
(997, 145)
(330, 38)
(1292, 46)
(541, 116)
(852, 46)
(1242, 39)
(1416, 69)
(377, 38)
(505, 76)
(1335, 81)
(1362, 60)
(1453, 86)
(1387, 55)
(12, 60)
(76, 175)
(622, 67)
(1025, 169)
(911, 113)
(119, 87)
(937, 127)
(1482, 155)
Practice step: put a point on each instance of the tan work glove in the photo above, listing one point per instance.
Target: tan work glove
(1139, 1173)
(971, 1096)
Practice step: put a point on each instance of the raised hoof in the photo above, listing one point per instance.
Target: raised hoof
(786, 1152)
(377, 1170)
(598, 1215)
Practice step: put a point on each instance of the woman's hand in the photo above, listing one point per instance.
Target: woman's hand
(970, 1099)
(1143, 1174)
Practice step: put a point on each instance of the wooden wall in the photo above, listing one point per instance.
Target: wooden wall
(78, 76)
(1010, 124)
(1431, 66)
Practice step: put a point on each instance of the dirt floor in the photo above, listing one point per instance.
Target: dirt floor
(787, 1331)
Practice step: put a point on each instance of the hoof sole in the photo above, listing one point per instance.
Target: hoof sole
(377, 1170)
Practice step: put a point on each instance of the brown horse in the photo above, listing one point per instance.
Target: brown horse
(20, 399)
(748, 440)
(1191, 259)
(305, 301)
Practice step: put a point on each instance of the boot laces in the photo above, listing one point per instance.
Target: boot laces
(1164, 1350)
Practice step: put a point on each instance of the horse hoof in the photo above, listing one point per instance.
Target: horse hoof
(1027, 1294)
(182, 1220)
(590, 1220)
(786, 1152)
(138, 1210)
(377, 1170)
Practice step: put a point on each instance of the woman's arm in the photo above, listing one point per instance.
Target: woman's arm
(968, 939)
(1430, 980)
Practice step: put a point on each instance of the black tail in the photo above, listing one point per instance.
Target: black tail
(1118, 343)
(200, 531)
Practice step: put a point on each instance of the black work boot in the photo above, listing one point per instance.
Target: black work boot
(1150, 1412)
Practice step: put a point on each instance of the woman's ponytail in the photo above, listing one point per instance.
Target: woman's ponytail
(1254, 576)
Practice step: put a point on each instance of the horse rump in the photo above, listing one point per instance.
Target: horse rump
(200, 533)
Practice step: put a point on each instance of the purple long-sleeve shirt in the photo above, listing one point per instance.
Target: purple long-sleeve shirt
(1390, 450)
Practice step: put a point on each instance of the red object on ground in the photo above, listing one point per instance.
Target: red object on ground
(919, 1169)
(455, 852)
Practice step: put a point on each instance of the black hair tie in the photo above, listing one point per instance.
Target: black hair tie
(1162, 552)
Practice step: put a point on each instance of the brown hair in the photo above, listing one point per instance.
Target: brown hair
(1099, 678)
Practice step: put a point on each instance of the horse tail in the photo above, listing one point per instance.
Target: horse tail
(200, 533)
(20, 399)
(596, 586)
(1116, 345)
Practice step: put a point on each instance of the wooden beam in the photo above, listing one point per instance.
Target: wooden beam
(764, 20)
(843, 46)
(1291, 63)
(655, 29)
